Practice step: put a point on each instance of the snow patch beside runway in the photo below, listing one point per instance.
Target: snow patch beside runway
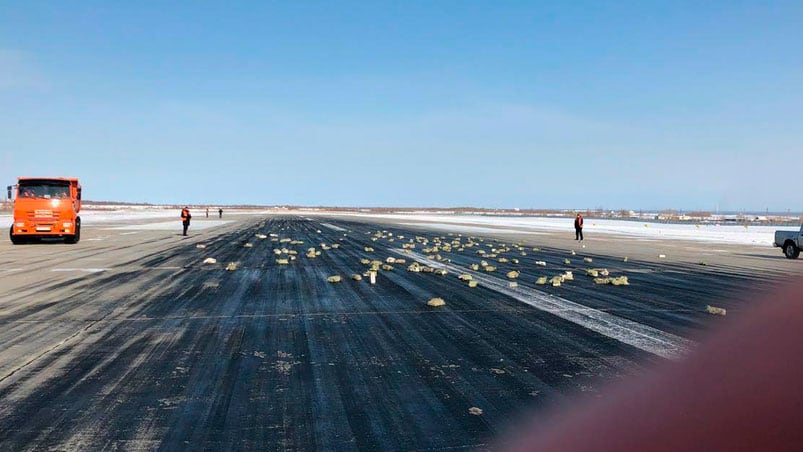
(750, 235)
(464, 229)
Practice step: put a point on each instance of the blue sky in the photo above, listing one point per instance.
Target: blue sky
(643, 105)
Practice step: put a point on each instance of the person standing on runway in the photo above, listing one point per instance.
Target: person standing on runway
(578, 227)
(185, 218)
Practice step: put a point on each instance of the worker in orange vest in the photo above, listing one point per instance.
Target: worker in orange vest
(578, 227)
(185, 218)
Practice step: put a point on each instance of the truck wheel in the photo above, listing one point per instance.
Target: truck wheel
(14, 239)
(790, 250)
(73, 239)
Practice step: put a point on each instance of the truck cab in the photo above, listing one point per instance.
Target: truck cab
(45, 207)
(790, 242)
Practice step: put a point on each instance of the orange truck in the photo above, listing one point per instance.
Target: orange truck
(45, 207)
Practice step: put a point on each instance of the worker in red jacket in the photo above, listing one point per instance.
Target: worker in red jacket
(185, 218)
(578, 227)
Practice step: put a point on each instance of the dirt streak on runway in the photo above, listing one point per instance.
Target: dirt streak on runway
(131, 342)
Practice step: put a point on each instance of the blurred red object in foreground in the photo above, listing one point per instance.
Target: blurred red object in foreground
(741, 389)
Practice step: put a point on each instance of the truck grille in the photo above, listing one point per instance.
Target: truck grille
(42, 215)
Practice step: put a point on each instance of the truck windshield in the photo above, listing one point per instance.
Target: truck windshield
(44, 189)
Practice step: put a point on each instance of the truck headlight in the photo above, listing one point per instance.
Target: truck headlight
(67, 224)
(20, 224)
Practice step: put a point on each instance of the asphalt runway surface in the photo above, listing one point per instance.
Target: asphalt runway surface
(127, 341)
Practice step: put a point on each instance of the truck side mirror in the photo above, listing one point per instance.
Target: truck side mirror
(9, 192)
(79, 194)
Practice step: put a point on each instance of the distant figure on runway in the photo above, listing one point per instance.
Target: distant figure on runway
(207, 212)
(220, 213)
(578, 227)
(185, 218)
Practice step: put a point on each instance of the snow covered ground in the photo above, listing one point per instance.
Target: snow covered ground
(136, 214)
(468, 224)
(96, 217)
(743, 235)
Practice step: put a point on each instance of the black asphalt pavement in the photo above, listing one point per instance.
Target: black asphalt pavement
(131, 342)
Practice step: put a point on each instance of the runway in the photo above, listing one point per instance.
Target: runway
(128, 340)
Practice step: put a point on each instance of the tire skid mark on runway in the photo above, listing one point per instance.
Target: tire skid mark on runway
(61, 305)
(11, 270)
(47, 351)
(411, 312)
(81, 270)
(641, 336)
